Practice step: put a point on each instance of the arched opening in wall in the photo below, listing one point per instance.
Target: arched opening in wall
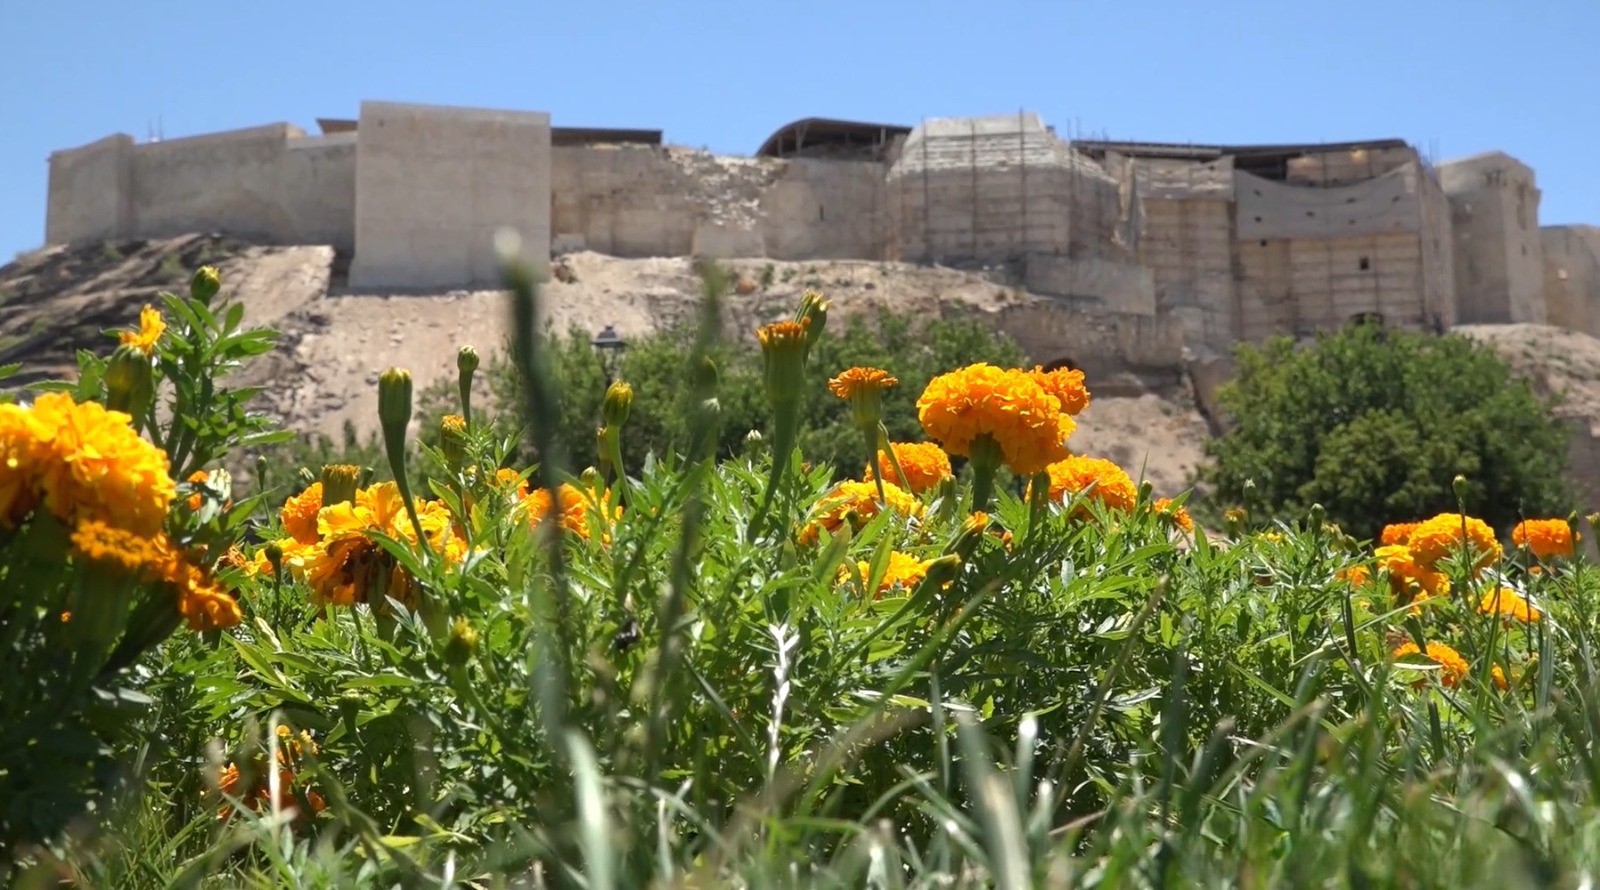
(1375, 319)
(1062, 364)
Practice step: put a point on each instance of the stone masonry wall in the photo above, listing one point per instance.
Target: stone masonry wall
(435, 184)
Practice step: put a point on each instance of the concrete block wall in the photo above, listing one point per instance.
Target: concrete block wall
(623, 200)
(1438, 249)
(826, 210)
(1572, 277)
(90, 194)
(1347, 166)
(1187, 243)
(1119, 287)
(1101, 343)
(1494, 207)
(433, 186)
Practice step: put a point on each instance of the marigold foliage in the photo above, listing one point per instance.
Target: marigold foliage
(1545, 538)
(1007, 405)
(925, 464)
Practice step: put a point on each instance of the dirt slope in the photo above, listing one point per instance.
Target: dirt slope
(335, 341)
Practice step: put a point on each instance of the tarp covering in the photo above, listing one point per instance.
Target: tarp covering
(1269, 209)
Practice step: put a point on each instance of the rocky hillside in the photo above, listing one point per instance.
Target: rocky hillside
(336, 341)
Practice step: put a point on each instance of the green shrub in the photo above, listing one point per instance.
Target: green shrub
(1374, 425)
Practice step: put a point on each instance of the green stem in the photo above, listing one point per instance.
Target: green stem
(985, 455)
(871, 437)
(785, 430)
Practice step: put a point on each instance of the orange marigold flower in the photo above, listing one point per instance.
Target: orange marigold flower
(858, 500)
(299, 514)
(198, 477)
(207, 607)
(1397, 532)
(1411, 582)
(20, 439)
(1357, 575)
(1066, 384)
(855, 380)
(1175, 514)
(1545, 538)
(134, 554)
(903, 571)
(1111, 485)
(572, 513)
(1499, 677)
(151, 326)
(783, 333)
(1447, 534)
(349, 567)
(925, 465)
(1507, 602)
(1452, 667)
(1008, 405)
(89, 463)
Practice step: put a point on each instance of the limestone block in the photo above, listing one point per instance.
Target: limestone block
(727, 242)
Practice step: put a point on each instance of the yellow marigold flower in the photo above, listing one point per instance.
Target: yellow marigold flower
(20, 438)
(1177, 515)
(1008, 405)
(151, 326)
(904, 571)
(91, 464)
(1499, 677)
(134, 554)
(1444, 536)
(1066, 384)
(857, 499)
(854, 381)
(299, 514)
(1452, 667)
(452, 424)
(1410, 581)
(1112, 487)
(1397, 532)
(508, 479)
(1545, 538)
(925, 465)
(349, 567)
(1507, 602)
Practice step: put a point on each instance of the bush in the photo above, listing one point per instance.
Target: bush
(1375, 424)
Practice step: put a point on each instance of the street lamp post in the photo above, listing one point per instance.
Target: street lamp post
(610, 345)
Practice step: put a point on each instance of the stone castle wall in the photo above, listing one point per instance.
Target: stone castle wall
(1148, 251)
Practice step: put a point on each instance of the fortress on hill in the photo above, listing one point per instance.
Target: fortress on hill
(1141, 250)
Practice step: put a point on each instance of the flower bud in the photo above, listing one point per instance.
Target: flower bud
(943, 570)
(618, 404)
(1319, 513)
(274, 553)
(339, 483)
(394, 401)
(592, 480)
(261, 472)
(130, 381)
(1146, 491)
(467, 361)
(205, 283)
(813, 314)
(1459, 486)
(466, 366)
(453, 439)
(462, 643)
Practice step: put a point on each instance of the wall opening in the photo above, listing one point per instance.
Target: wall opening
(1366, 264)
(1063, 364)
(1375, 319)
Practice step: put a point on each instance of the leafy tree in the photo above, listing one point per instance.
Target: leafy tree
(1375, 424)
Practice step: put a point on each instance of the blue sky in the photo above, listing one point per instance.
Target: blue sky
(1454, 77)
